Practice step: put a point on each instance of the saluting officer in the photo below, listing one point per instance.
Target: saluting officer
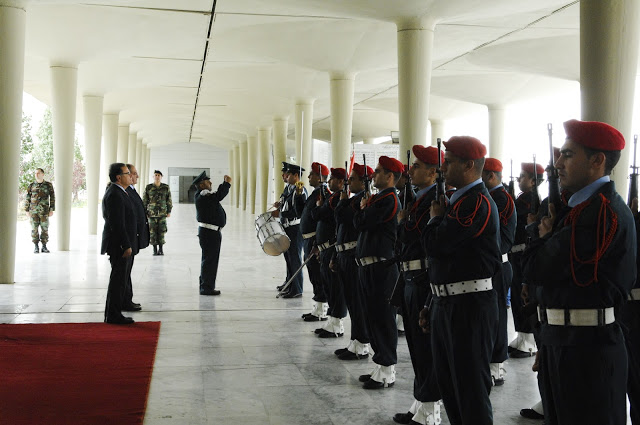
(585, 264)
(376, 223)
(417, 293)
(462, 241)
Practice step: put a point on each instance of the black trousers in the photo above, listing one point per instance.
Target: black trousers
(501, 282)
(117, 285)
(293, 257)
(353, 296)
(337, 303)
(210, 241)
(463, 329)
(522, 321)
(315, 276)
(631, 321)
(585, 383)
(416, 291)
(128, 290)
(377, 282)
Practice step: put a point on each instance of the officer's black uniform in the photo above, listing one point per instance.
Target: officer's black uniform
(210, 212)
(290, 219)
(588, 262)
(376, 224)
(463, 245)
(143, 242)
(308, 228)
(417, 294)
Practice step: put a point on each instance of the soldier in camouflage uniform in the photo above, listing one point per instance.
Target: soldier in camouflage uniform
(39, 205)
(157, 203)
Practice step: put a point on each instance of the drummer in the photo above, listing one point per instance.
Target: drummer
(276, 213)
(290, 219)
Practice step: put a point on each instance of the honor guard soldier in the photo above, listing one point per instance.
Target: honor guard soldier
(317, 177)
(524, 344)
(631, 320)
(417, 293)
(585, 266)
(290, 219)
(157, 202)
(462, 241)
(40, 203)
(376, 223)
(492, 178)
(344, 263)
(211, 219)
(325, 242)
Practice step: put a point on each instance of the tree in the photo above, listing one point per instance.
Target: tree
(27, 164)
(79, 174)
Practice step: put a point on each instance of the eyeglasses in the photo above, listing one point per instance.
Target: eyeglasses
(124, 174)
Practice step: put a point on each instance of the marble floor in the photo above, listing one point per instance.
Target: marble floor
(242, 358)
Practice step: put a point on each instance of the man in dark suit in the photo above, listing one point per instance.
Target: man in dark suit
(118, 240)
(142, 232)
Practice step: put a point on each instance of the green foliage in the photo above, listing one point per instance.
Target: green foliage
(27, 164)
(43, 155)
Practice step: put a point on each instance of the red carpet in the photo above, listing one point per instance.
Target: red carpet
(76, 373)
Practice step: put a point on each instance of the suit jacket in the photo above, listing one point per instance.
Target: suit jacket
(120, 227)
(141, 218)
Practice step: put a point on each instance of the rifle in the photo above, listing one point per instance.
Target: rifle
(511, 189)
(345, 188)
(367, 189)
(552, 176)
(407, 185)
(535, 198)
(440, 189)
(633, 185)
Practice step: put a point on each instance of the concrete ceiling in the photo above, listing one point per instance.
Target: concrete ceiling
(147, 57)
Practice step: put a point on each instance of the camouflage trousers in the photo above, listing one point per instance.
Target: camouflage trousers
(42, 221)
(157, 229)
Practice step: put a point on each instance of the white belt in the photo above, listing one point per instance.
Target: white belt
(324, 246)
(505, 258)
(634, 295)
(209, 226)
(346, 246)
(419, 264)
(308, 235)
(464, 287)
(518, 248)
(368, 260)
(576, 317)
(291, 223)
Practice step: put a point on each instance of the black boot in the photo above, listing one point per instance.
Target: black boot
(155, 250)
(36, 250)
(160, 252)
(44, 248)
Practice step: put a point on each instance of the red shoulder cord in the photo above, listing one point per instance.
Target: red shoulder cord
(468, 220)
(508, 210)
(603, 237)
(375, 199)
(333, 198)
(413, 208)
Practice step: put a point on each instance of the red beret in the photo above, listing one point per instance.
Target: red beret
(339, 173)
(492, 164)
(594, 135)
(466, 147)
(428, 155)
(527, 167)
(359, 169)
(321, 169)
(391, 164)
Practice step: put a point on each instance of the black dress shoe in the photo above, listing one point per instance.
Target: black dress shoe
(136, 304)
(311, 318)
(497, 382)
(291, 295)
(340, 351)
(212, 292)
(403, 418)
(348, 355)
(364, 378)
(531, 414)
(119, 320)
(327, 334)
(279, 287)
(519, 354)
(400, 333)
(132, 307)
(375, 385)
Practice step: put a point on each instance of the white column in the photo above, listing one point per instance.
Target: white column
(131, 149)
(252, 171)
(369, 140)
(303, 138)
(244, 184)
(341, 116)
(148, 166)
(141, 169)
(415, 44)
(63, 112)
(123, 143)
(237, 177)
(280, 126)
(264, 141)
(437, 131)
(12, 45)
(608, 67)
(138, 156)
(232, 170)
(92, 106)
(496, 132)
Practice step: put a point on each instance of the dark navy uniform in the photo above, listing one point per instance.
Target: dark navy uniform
(417, 294)
(464, 246)
(376, 224)
(290, 219)
(631, 321)
(210, 213)
(308, 231)
(587, 263)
